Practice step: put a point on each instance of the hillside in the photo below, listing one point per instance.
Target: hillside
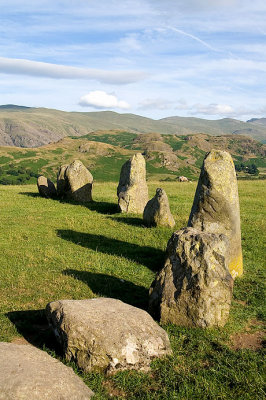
(34, 127)
(104, 152)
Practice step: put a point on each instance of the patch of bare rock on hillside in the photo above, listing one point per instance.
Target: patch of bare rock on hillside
(96, 148)
(151, 143)
(234, 144)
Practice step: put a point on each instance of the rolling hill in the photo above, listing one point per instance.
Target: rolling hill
(33, 127)
(103, 152)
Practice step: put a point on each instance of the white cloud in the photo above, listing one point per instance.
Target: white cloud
(213, 109)
(55, 71)
(102, 100)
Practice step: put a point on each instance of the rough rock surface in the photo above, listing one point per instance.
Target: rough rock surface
(157, 211)
(75, 182)
(182, 179)
(29, 373)
(107, 334)
(132, 190)
(194, 288)
(46, 187)
(216, 204)
(80, 181)
(62, 185)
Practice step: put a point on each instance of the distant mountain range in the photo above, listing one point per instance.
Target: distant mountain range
(32, 127)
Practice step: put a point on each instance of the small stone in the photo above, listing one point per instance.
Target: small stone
(104, 334)
(29, 373)
(157, 211)
(182, 179)
(194, 288)
(216, 204)
(46, 187)
(132, 190)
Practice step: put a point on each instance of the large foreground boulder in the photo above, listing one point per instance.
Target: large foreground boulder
(46, 187)
(157, 211)
(195, 287)
(75, 182)
(216, 204)
(132, 190)
(107, 334)
(29, 373)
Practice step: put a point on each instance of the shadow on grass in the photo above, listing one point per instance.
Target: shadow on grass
(30, 194)
(101, 207)
(130, 221)
(110, 286)
(148, 256)
(33, 326)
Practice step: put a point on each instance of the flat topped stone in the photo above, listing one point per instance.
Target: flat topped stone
(132, 190)
(46, 187)
(107, 334)
(216, 204)
(157, 211)
(27, 373)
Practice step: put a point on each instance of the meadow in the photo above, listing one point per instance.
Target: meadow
(52, 250)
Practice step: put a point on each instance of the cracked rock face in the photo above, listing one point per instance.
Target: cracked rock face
(29, 373)
(132, 190)
(194, 288)
(46, 187)
(157, 211)
(105, 334)
(75, 182)
(216, 204)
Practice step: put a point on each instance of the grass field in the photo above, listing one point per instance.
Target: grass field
(52, 250)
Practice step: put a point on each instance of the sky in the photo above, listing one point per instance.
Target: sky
(156, 58)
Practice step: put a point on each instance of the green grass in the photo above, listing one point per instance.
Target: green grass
(122, 139)
(52, 250)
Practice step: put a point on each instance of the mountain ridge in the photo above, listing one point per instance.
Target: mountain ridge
(33, 127)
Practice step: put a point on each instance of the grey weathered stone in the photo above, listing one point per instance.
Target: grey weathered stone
(80, 181)
(27, 373)
(46, 187)
(194, 288)
(216, 204)
(62, 184)
(107, 334)
(75, 182)
(157, 210)
(132, 190)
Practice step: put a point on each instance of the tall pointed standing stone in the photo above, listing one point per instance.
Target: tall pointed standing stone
(216, 205)
(132, 190)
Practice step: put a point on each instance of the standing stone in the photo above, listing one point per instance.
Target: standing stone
(62, 184)
(157, 211)
(75, 182)
(46, 187)
(132, 190)
(29, 373)
(216, 204)
(104, 334)
(194, 288)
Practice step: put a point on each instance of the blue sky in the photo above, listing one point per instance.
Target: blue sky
(157, 58)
